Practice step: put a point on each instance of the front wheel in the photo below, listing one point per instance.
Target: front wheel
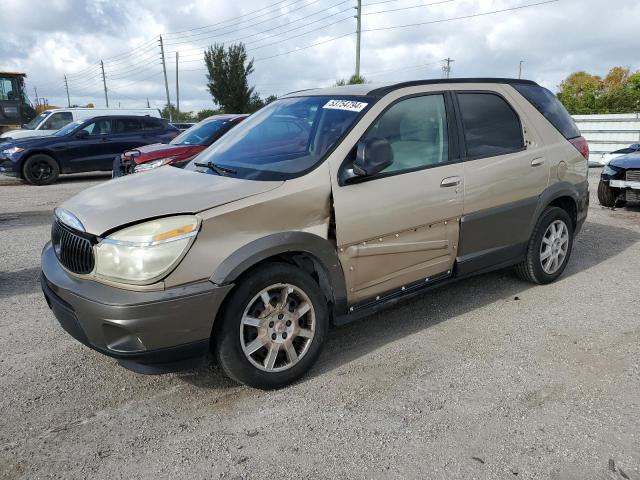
(608, 196)
(40, 169)
(549, 247)
(272, 328)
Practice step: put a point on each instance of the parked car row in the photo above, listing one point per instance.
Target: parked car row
(50, 121)
(137, 143)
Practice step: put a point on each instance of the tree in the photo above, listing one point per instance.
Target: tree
(169, 111)
(618, 92)
(228, 77)
(353, 80)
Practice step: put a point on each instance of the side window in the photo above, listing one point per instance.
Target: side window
(151, 124)
(99, 127)
(416, 128)
(491, 126)
(127, 125)
(57, 120)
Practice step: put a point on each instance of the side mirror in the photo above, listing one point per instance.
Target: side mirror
(372, 156)
(82, 134)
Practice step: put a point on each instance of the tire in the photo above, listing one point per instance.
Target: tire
(40, 169)
(606, 195)
(537, 269)
(248, 332)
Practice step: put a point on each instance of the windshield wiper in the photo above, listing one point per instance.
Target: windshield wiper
(216, 168)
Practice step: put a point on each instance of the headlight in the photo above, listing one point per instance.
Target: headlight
(151, 165)
(144, 253)
(609, 170)
(12, 150)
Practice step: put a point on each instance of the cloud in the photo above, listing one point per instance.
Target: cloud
(50, 39)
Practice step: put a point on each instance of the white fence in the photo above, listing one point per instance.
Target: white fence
(606, 133)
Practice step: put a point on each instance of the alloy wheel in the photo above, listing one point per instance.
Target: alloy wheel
(554, 246)
(277, 327)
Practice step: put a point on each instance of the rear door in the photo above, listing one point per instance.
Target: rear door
(504, 176)
(399, 229)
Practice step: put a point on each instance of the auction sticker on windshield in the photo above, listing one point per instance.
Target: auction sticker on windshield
(349, 105)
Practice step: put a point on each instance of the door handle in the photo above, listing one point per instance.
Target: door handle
(450, 182)
(536, 162)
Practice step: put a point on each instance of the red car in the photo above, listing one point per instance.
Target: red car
(180, 150)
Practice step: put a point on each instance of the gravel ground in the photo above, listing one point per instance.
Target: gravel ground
(487, 378)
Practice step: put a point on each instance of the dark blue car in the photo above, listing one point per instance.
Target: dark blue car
(620, 181)
(82, 146)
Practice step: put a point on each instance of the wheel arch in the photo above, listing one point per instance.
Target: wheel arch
(313, 254)
(563, 195)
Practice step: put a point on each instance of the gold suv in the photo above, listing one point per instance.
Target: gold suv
(322, 207)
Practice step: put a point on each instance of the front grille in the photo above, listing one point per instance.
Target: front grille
(633, 175)
(632, 195)
(73, 250)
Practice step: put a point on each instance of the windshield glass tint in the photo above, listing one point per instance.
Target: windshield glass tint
(285, 138)
(68, 128)
(200, 134)
(36, 121)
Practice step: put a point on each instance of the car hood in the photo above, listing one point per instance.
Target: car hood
(630, 160)
(160, 192)
(30, 141)
(24, 133)
(156, 151)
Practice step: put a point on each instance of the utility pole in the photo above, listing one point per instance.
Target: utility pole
(166, 83)
(446, 67)
(177, 88)
(104, 82)
(66, 87)
(148, 106)
(35, 90)
(358, 34)
(520, 69)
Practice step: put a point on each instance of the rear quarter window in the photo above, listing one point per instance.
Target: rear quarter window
(548, 105)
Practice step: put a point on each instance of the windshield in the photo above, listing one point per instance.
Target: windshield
(285, 139)
(36, 121)
(203, 133)
(68, 128)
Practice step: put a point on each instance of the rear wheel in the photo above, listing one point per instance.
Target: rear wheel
(272, 328)
(40, 169)
(549, 247)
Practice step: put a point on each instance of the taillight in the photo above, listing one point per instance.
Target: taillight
(581, 145)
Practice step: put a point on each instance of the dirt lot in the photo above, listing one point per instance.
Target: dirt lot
(488, 378)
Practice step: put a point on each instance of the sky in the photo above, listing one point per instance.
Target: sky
(299, 44)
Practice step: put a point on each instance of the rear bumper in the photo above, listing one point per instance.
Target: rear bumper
(147, 331)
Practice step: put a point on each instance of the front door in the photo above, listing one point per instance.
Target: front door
(401, 226)
(89, 153)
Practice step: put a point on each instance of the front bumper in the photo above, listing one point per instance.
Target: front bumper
(7, 166)
(624, 184)
(147, 331)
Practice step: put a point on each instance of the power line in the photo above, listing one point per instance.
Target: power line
(289, 23)
(229, 19)
(234, 26)
(408, 8)
(461, 18)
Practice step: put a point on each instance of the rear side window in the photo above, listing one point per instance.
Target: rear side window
(127, 125)
(152, 124)
(548, 105)
(491, 126)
